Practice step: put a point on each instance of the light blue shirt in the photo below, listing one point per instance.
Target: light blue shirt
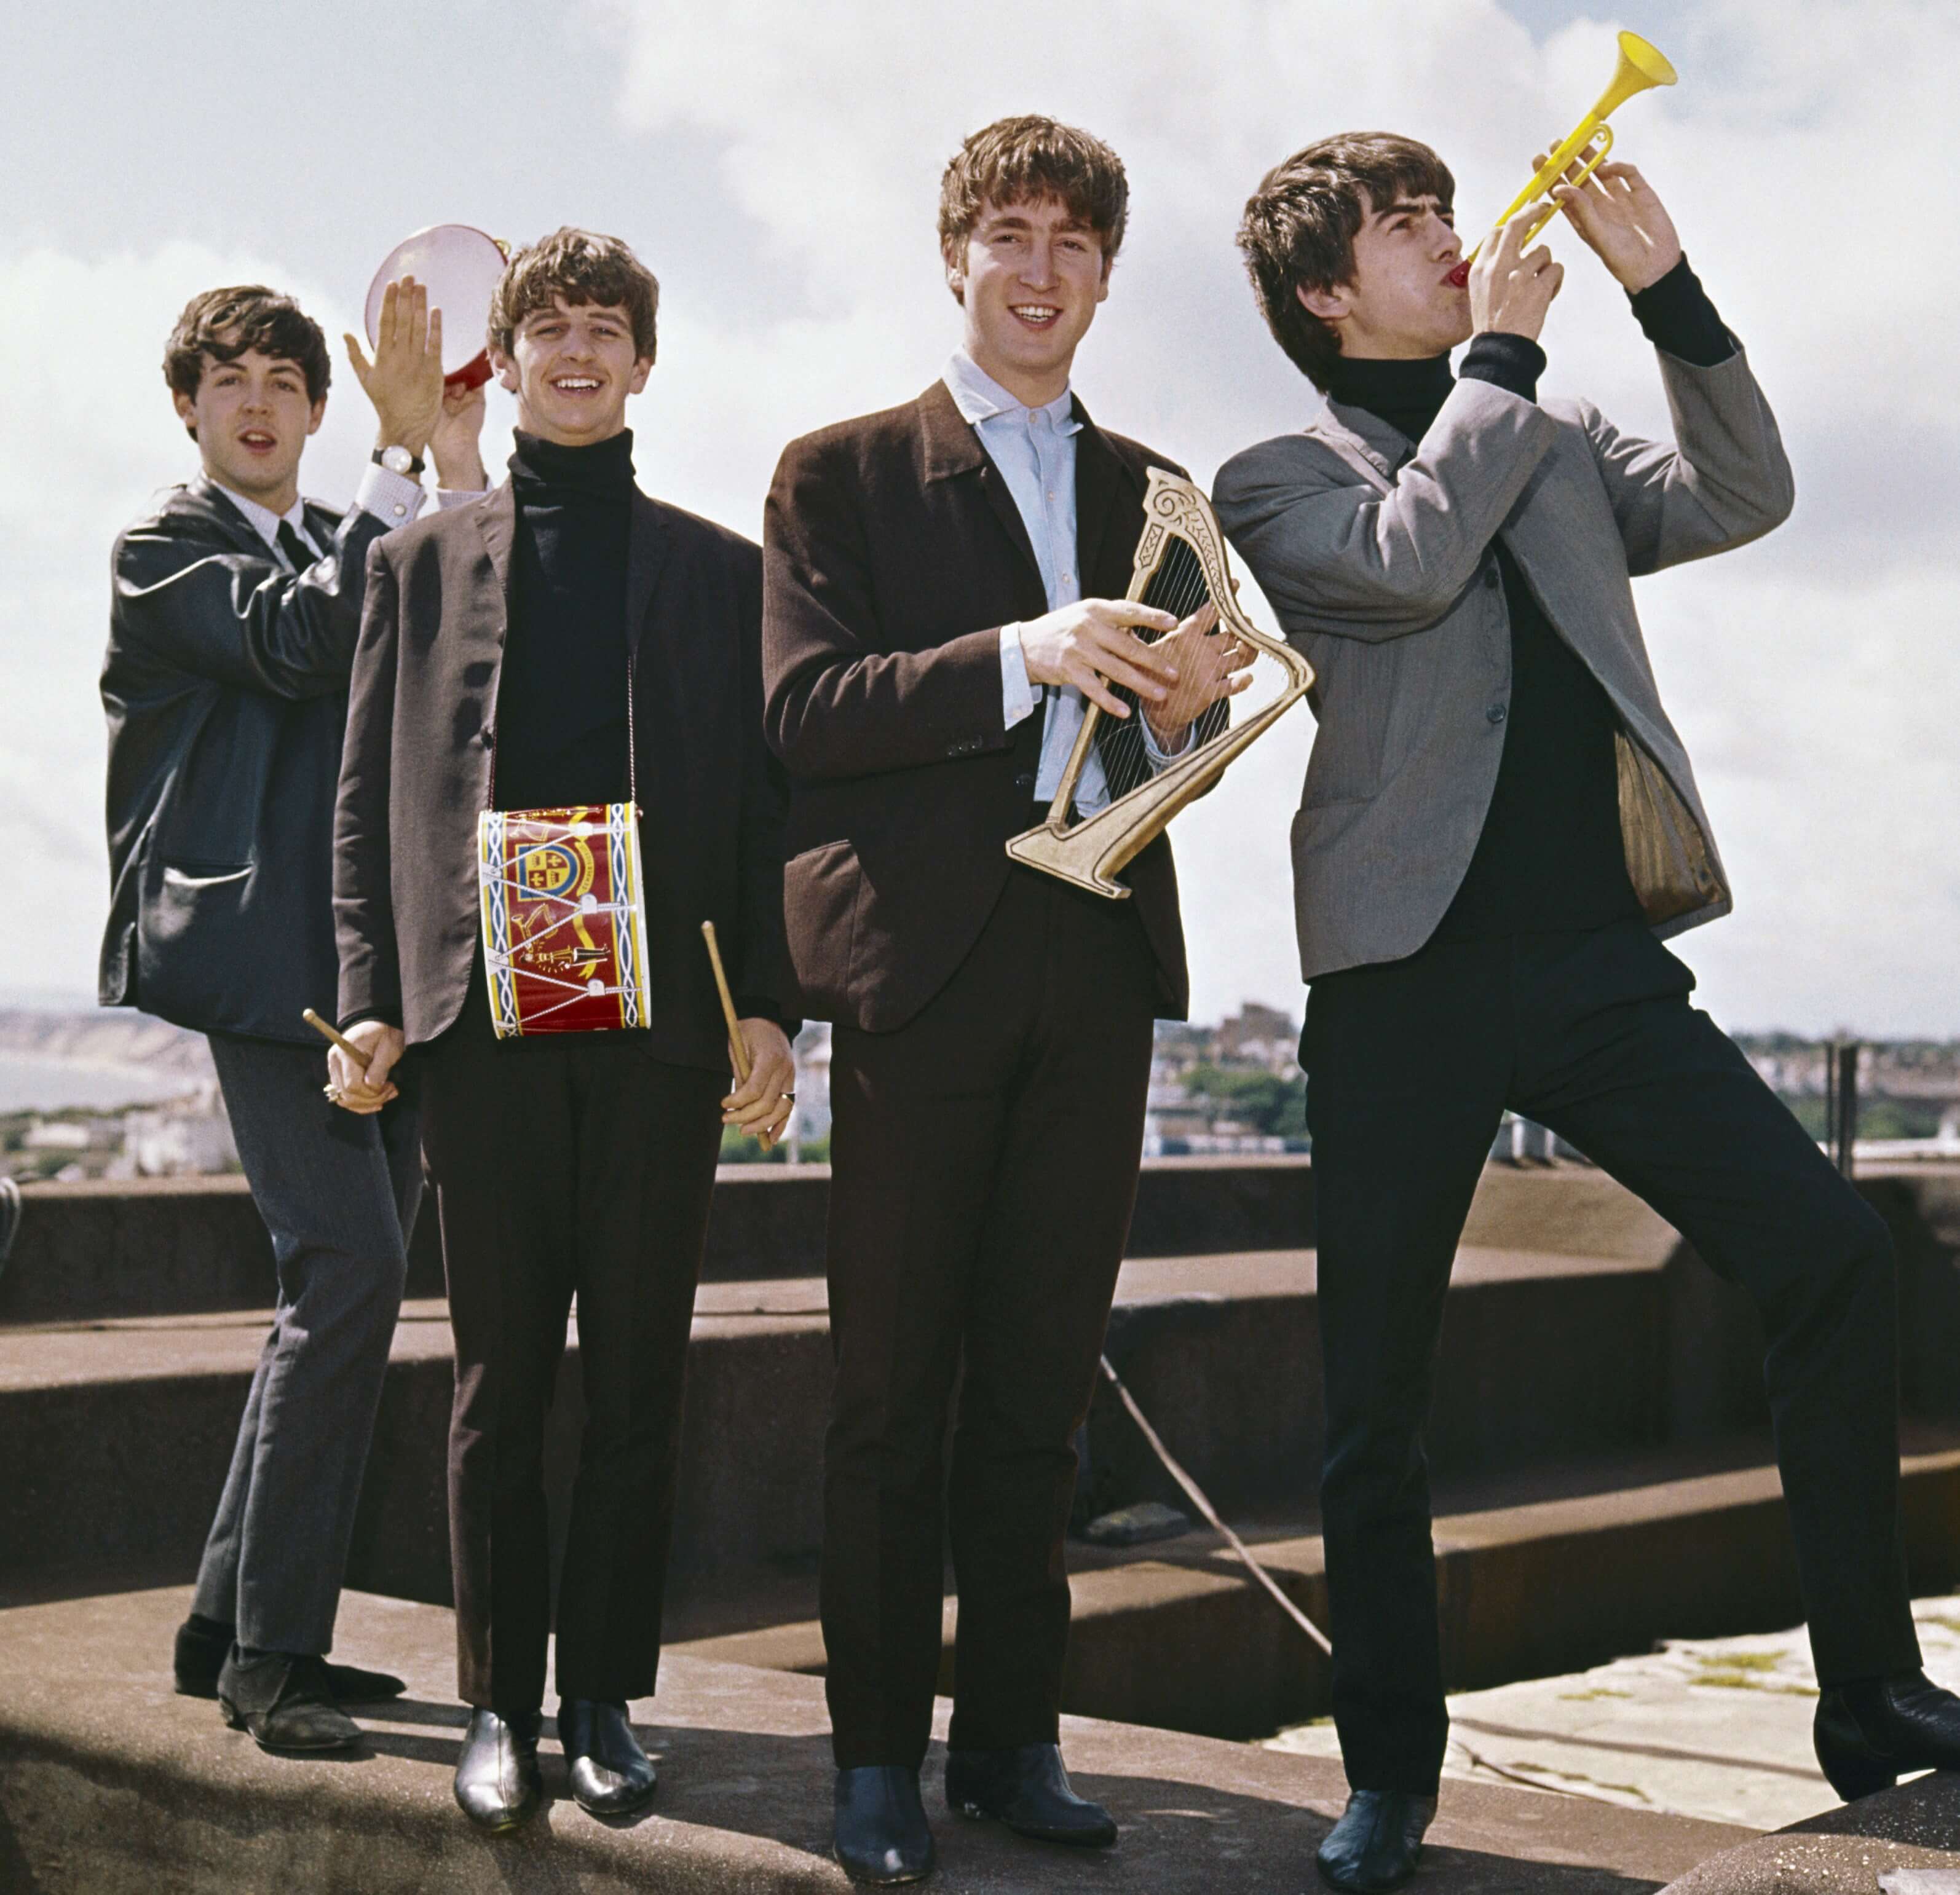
(1034, 448)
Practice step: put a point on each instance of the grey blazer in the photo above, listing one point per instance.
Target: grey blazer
(1377, 560)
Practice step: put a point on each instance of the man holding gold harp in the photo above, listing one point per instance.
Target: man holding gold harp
(1499, 824)
(943, 594)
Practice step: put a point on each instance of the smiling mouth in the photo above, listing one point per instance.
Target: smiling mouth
(257, 440)
(1036, 315)
(576, 384)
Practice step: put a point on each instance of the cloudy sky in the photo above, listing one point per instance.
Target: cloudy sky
(777, 164)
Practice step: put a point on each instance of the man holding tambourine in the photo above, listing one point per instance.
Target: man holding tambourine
(1499, 824)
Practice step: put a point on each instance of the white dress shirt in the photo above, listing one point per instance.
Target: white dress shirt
(1034, 448)
(394, 499)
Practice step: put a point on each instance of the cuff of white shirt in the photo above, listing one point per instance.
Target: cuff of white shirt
(1018, 696)
(1160, 757)
(394, 499)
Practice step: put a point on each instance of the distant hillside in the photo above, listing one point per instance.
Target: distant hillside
(104, 1036)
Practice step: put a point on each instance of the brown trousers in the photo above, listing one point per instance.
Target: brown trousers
(984, 1162)
(567, 1164)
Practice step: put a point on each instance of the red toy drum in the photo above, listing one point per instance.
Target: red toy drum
(564, 919)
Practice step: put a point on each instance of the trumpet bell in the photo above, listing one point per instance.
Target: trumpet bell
(1643, 66)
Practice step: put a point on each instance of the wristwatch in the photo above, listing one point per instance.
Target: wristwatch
(399, 460)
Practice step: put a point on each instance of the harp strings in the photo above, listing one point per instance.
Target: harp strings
(1177, 586)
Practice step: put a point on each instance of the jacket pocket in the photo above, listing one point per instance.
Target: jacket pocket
(823, 888)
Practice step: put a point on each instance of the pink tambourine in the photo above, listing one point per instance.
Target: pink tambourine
(461, 265)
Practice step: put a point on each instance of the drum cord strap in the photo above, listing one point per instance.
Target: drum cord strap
(1197, 1495)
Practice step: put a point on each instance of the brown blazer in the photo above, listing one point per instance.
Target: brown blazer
(416, 773)
(892, 554)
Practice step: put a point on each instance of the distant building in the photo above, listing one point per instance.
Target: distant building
(186, 1137)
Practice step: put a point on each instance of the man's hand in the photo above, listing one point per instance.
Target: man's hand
(455, 446)
(1622, 221)
(763, 1107)
(404, 381)
(365, 1090)
(1090, 646)
(1512, 287)
(1209, 667)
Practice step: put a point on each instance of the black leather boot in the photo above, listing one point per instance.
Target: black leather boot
(1869, 1734)
(1378, 1841)
(498, 1785)
(881, 1833)
(1027, 1789)
(284, 1701)
(203, 1645)
(611, 1775)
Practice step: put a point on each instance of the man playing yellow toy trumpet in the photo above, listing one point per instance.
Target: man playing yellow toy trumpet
(1499, 824)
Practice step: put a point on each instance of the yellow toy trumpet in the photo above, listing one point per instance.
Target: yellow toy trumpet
(1641, 68)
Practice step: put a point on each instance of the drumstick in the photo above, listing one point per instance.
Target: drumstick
(738, 1048)
(334, 1034)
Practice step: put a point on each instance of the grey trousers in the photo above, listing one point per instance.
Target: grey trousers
(339, 1193)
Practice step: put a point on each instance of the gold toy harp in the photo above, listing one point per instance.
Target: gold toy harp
(1180, 566)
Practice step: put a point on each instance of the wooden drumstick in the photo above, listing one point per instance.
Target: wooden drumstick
(334, 1034)
(738, 1048)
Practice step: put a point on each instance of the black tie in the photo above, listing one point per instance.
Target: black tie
(298, 554)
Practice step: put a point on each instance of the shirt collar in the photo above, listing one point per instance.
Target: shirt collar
(979, 397)
(265, 522)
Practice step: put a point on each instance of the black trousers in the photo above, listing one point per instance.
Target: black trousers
(1410, 1066)
(566, 1164)
(985, 1162)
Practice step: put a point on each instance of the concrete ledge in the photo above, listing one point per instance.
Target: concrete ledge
(1177, 1636)
(1914, 1826)
(173, 1246)
(120, 1432)
(109, 1786)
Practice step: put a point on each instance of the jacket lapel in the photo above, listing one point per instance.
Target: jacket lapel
(953, 451)
(497, 521)
(1099, 479)
(216, 507)
(646, 553)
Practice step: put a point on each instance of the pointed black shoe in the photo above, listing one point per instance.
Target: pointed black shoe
(284, 1702)
(1378, 1841)
(203, 1645)
(1869, 1734)
(881, 1837)
(611, 1775)
(498, 1785)
(1027, 1789)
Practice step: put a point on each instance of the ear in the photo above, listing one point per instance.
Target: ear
(187, 412)
(319, 415)
(1102, 283)
(643, 366)
(505, 370)
(956, 272)
(1331, 305)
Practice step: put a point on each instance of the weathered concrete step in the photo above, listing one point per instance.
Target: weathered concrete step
(119, 1432)
(109, 1786)
(1537, 1576)
(173, 1246)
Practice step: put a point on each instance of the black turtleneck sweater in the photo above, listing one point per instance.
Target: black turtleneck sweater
(561, 703)
(1551, 854)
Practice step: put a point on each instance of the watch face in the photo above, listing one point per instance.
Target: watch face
(397, 460)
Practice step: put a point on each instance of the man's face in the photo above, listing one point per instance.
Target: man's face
(571, 368)
(1029, 279)
(252, 416)
(1400, 303)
